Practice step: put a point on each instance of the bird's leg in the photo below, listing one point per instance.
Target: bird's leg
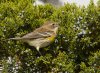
(38, 51)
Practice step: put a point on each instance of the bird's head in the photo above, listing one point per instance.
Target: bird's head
(52, 26)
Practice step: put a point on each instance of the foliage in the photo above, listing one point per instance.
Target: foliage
(76, 48)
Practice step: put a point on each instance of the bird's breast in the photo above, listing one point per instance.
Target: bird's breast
(51, 38)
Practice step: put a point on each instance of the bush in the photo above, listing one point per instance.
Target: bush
(76, 48)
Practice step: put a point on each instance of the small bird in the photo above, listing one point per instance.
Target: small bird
(42, 36)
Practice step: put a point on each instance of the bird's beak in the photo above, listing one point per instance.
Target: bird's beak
(57, 25)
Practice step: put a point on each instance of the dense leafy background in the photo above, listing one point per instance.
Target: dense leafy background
(76, 48)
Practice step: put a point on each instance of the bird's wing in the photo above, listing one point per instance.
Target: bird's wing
(39, 33)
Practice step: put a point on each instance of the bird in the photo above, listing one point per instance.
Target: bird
(42, 36)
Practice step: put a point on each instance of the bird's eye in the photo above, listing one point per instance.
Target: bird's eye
(53, 24)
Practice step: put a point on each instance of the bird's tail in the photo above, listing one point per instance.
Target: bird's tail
(18, 38)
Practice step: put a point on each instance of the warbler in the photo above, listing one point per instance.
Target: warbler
(42, 36)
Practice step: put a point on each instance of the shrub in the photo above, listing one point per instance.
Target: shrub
(76, 48)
